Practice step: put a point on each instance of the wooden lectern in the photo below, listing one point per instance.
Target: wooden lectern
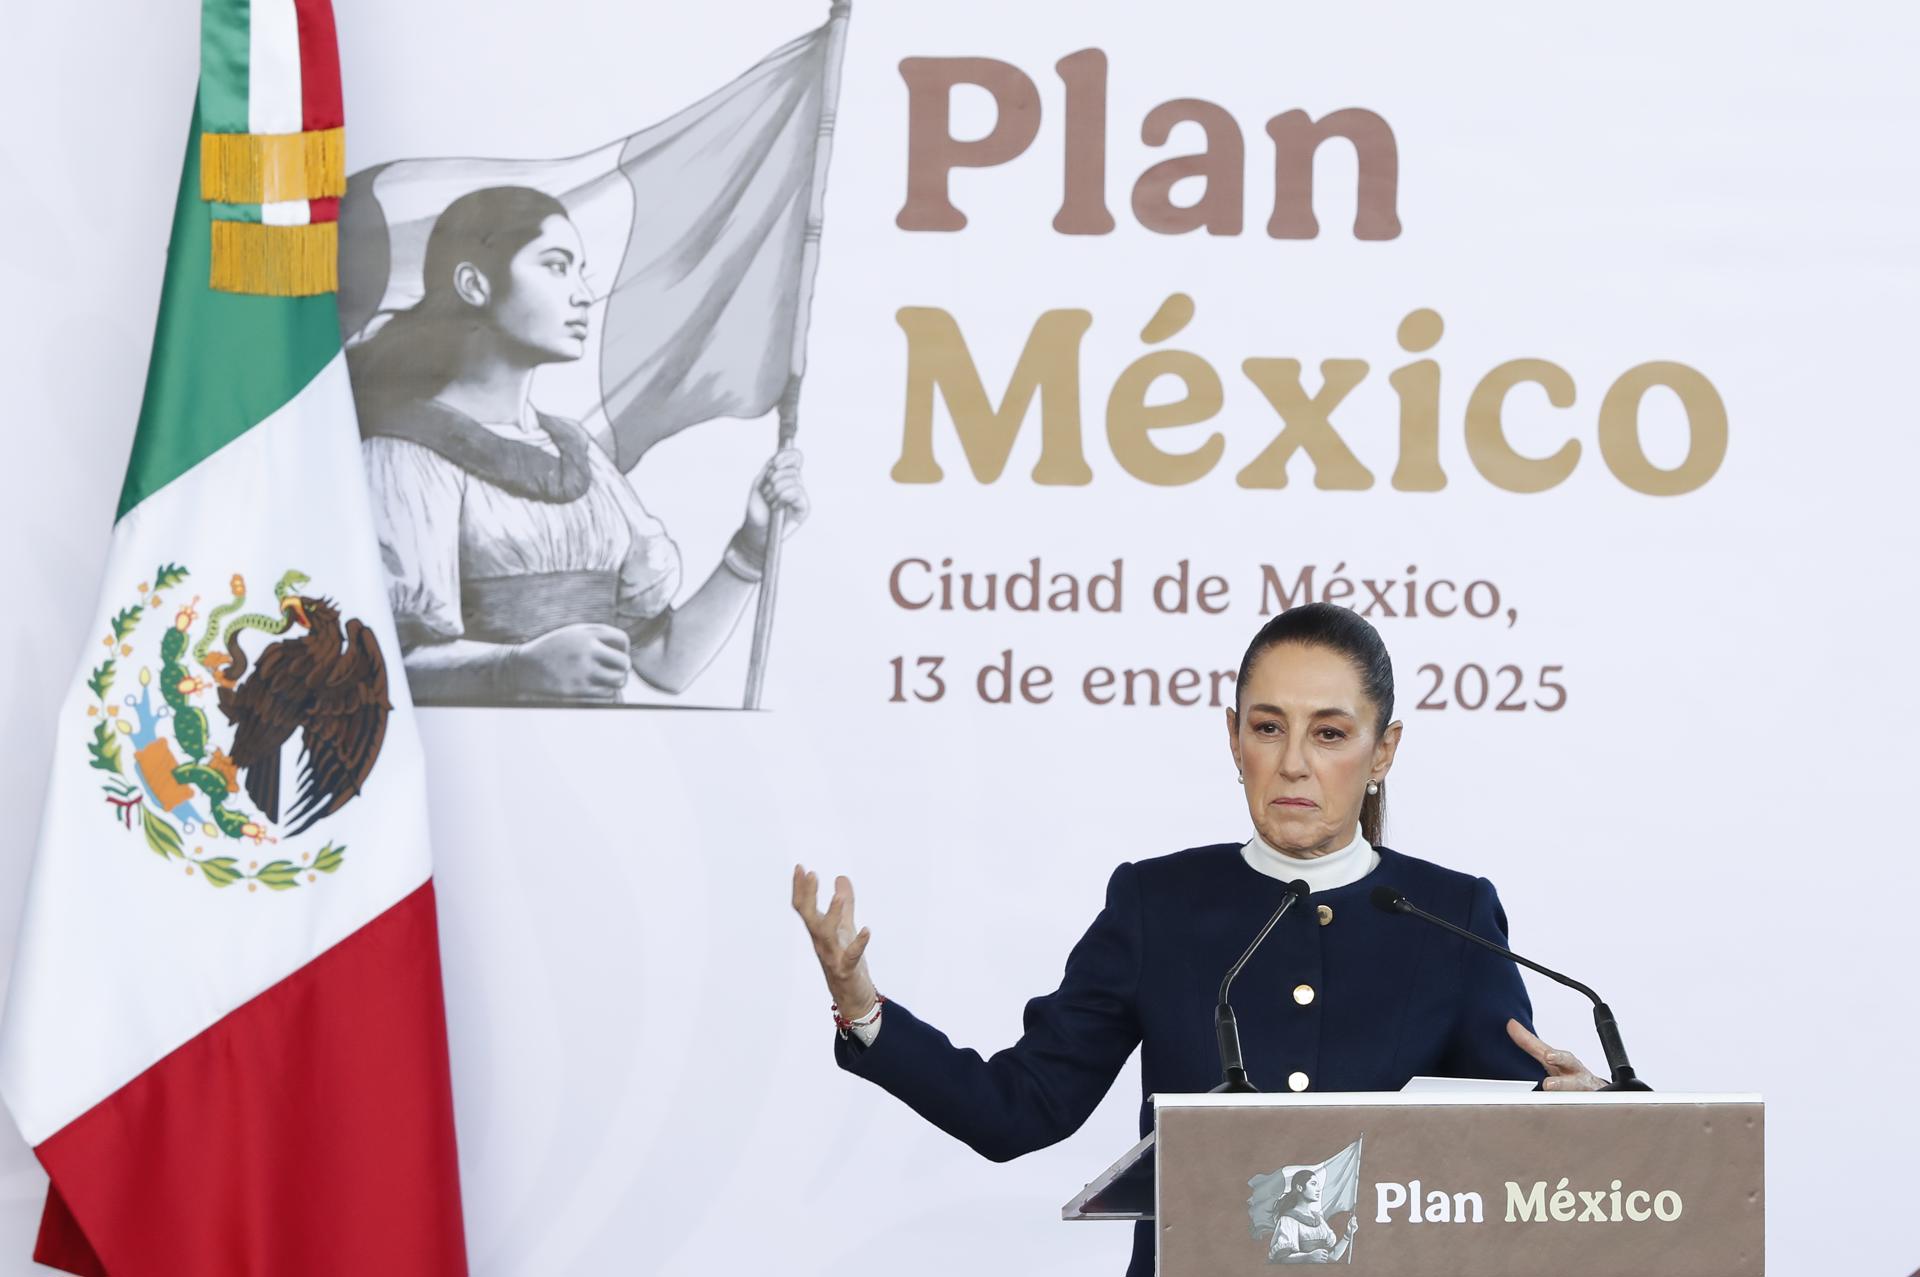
(1447, 1185)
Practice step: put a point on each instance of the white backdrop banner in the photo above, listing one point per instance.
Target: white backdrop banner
(1571, 351)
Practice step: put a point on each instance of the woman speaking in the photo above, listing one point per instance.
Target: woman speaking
(1341, 997)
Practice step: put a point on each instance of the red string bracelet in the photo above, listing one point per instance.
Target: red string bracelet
(845, 1025)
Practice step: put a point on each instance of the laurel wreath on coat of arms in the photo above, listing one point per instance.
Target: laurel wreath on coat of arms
(321, 676)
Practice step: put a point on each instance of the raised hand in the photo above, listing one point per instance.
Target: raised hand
(1564, 1070)
(841, 949)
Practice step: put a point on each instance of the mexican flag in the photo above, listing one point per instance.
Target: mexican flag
(225, 1036)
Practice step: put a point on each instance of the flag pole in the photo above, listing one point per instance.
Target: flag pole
(837, 16)
(1362, 1144)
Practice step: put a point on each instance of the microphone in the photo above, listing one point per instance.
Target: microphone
(1233, 1069)
(1391, 901)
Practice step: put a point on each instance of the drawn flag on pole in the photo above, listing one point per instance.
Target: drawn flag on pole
(225, 1034)
(695, 232)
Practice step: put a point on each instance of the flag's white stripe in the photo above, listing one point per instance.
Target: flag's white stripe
(286, 212)
(122, 956)
(273, 68)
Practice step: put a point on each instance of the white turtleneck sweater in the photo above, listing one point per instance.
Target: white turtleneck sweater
(1321, 873)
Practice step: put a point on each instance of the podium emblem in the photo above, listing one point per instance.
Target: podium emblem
(1297, 1211)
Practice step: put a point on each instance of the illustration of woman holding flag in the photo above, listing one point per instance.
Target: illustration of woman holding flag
(1301, 1234)
(524, 568)
(522, 565)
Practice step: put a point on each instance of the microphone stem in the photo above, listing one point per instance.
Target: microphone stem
(1616, 1050)
(1233, 1067)
(1226, 1026)
(1286, 903)
(1611, 1045)
(1529, 964)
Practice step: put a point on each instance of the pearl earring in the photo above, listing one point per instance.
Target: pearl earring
(1373, 787)
(1241, 777)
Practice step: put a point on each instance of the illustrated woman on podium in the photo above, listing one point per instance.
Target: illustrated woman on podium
(1340, 997)
(1301, 1234)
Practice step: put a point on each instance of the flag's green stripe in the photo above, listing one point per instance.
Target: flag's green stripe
(233, 212)
(225, 35)
(222, 362)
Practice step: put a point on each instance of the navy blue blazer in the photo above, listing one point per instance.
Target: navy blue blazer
(1393, 998)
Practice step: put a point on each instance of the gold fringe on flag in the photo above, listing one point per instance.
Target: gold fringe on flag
(276, 261)
(266, 168)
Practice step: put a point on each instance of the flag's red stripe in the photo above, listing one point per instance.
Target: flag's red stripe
(307, 1134)
(324, 210)
(61, 1244)
(319, 66)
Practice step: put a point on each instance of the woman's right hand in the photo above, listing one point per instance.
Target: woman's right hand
(842, 951)
(574, 662)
